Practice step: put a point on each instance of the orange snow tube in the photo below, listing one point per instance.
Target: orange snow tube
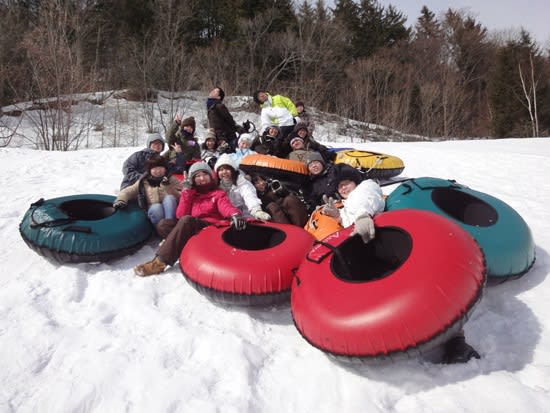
(285, 170)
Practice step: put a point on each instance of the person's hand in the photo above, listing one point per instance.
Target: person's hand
(330, 208)
(238, 222)
(120, 204)
(176, 147)
(178, 118)
(364, 227)
(259, 214)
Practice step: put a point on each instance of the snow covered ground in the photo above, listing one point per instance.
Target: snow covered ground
(95, 338)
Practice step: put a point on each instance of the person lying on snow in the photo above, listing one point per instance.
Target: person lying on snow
(309, 143)
(361, 201)
(283, 206)
(134, 166)
(201, 205)
(156, 192)
(240, 190)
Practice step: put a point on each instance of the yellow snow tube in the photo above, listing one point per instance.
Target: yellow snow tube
(373, 164)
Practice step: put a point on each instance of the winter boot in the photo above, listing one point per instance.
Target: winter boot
(458, 351)
(155, 266)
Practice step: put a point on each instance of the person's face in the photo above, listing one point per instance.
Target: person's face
(262, 97)
(214, 93)
(302, 133)
(260, 185)
(272, 131)
(210, 143)
(315, 167)
(244, 144)
(300, 109)
(345, 187)
(156, 146)
(224, 173)
(158, 171)
(188, 128)
(202, 178)
(297, 144)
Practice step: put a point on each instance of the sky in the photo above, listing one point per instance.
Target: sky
(95, 338)
(496, 15)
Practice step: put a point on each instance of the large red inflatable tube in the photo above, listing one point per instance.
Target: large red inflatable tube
(250, 267)
(403, 293)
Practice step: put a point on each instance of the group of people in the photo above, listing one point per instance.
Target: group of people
(214, 189)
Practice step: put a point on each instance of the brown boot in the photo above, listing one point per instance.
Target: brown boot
(155, 266)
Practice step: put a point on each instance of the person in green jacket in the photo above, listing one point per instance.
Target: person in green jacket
(276, 109)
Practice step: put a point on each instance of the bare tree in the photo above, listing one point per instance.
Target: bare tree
(530, 95)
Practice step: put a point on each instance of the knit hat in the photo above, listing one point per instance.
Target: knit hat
(314, 156)
(199, 167)
(211, 134)
(245, 137)
(154, 161)
(299, 103)
(152, 137)
(296, 138)
(300, 125)
(190, 121)
(350, 173)
(225, 159)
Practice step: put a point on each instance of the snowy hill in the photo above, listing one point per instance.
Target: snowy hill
(95, 338)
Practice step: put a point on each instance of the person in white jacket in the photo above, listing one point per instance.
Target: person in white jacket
(240, 190)
(361, 201)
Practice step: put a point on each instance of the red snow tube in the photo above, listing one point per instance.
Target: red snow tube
(250, 267)
(403, 293)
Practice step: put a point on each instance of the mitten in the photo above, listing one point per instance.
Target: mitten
(259, 214)
(364, 226)
(120, 204)
(330, 207)
(238, 222)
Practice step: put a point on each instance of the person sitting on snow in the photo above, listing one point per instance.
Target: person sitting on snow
(199, 206)
(240, 190)
(276, 110)
(243, 148)
(269, 142)
(283, 206)
(184, 147)
(134, 166)
(156, 192)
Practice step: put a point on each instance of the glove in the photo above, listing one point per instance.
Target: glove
(120, 204)
(330, 207)
(364, 226)
(223, 147)
(259, 214)
(238, 222)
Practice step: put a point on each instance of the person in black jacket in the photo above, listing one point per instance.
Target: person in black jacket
(324, 179)
(135, 165)
(220, 119)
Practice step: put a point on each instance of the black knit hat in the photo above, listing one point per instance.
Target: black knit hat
(350, 173)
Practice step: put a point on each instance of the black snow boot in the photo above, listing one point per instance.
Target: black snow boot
(456, 350)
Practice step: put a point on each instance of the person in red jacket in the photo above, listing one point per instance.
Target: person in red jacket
(201, 205)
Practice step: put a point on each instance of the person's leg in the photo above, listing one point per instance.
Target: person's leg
(169, 205)
(155, 213)
(277, 214)
(295, 210)
(169, 252)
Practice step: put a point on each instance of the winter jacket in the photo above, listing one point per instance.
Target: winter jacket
(327, 183)
(134, 166)
(190, 148)
(147, 194)
(366, 198)
(212, 206)
(244, 197)
(310, 144)
(279, 101)
(266, 144)
(222, 122)
(240, 154)
(275, 116)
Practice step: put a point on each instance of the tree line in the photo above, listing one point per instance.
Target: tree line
(443, 77)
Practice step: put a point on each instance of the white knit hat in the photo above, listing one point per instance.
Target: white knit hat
(226, 159)
(246, 136)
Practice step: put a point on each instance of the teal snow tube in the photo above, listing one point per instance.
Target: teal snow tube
(84, 228)
(501, 232)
